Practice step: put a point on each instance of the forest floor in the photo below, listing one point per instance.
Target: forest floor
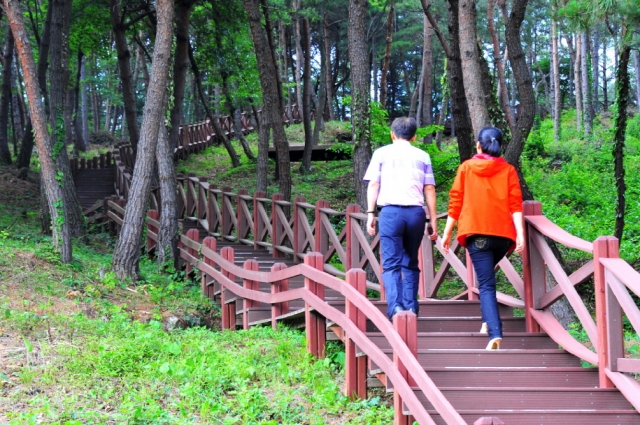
(79, 347)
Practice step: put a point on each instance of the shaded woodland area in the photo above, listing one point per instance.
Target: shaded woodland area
(101, 71)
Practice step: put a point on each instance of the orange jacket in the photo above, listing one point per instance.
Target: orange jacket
(485, 193)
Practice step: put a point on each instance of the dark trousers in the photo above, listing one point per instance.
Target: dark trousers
(486, 252)
(401, 231)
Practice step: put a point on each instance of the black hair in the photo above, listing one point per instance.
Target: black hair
(490, 139)
(404, 127)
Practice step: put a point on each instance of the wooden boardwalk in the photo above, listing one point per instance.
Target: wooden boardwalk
(267, 261)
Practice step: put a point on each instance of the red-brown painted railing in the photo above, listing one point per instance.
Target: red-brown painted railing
(333, 241)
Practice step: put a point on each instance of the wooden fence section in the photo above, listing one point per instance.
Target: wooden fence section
(319, 252)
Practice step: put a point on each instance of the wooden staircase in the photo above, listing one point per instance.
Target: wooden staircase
(93, 185)
(529, 381)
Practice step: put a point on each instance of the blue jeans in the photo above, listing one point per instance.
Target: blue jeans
(486, 252)
(401, 231)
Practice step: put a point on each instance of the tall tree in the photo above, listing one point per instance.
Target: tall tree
(272, 113)
(60, 127)
(126, 255)
(180, 67)
(471, 67)
(387, 56)
(360, 97)
(124, 59)
(49, 170)
(305, 166)
(5, 99)
(557, 95)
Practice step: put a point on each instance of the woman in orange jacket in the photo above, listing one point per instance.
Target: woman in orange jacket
(486, 201)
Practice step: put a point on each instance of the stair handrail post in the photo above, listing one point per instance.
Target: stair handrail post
(608, 312)
(225, 219)
(276, 225)
(194, 235)
(191, 189)
(243, 227)
(211, 243)
(213, 217)
(315, 323)
(184, 136)
(353, 245)
(426, 262)
(406, 324)
(201, 208)
(355, 366)
(250, 284)
(298, 231)
(258, 222)
(533, 267)
(321, 234)
(278, 309)
(228, 308)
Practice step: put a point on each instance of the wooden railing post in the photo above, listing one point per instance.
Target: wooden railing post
(298, 230)
(608, 321)
(228, 307)
(258, 222)
(533, 268)
(207, 289)
(406, 324)
(213, 217)
(321, 235)
(152, 214)
(353, 246)
(243, 223)
(201, 207)
(315, 324)
(252, 265)
(184, 134)
(194, 235)
(275, 224)
(355, 367)
(278, 309)
(226, 222)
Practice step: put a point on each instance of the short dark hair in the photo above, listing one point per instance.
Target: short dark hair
(490, 139)
(404, 127)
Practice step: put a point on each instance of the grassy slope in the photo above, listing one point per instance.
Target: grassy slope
(79, 347)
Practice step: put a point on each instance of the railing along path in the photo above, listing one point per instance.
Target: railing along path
(320, 246)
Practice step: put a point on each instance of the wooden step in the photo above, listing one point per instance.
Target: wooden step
(459, 324)
(549, 417)
(451, 340)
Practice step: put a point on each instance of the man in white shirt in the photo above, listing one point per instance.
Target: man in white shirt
(400, 177)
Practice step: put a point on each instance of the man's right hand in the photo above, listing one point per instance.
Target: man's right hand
(371, 224)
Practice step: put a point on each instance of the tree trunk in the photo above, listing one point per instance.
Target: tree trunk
(43, 57)
(167, 247)
(471, 69)
(272, 112)
(459, 108)
(622, 99)
(84, 105)
(387, 56)
(557, 94)
(427, 75)
(499, 65)
(124, 57)
(522, 77)
(305, 166)
(59, 124)
(126, 255)
(237, 116)
(5, 99)
(49, 170)
(299, 58)
(360, 101)
(319, 121)
(327, 69)
(235, 161)
(577, 81)
(595, 59)
(80, 141)
(284, 68)
(636, 65)
(586, 87)
(180, 67)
